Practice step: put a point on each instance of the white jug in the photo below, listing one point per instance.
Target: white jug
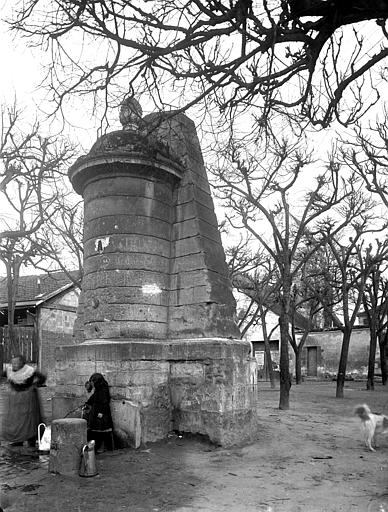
(45, 440)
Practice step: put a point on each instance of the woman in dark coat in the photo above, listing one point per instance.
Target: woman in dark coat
(98, 414)
(22, 413)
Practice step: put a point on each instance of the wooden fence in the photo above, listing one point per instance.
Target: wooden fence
(26, 343)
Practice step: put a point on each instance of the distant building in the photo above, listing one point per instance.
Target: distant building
(322, 349)
(44, 316)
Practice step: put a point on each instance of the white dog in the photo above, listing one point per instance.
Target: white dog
(371, 424)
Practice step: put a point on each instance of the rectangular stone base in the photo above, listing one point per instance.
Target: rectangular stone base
(203, 386)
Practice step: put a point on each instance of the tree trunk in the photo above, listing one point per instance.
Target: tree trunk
(285, 379)
(268, 359)
(13, 271)
(11, 311)
(298, 366)
(383, 359)
(370, 383)
(343, 363)
(298, 349)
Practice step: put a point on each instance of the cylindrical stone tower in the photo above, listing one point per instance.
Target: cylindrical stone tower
(128, 190)
(154, 266)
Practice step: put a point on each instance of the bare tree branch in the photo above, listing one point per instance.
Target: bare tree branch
(270, 56)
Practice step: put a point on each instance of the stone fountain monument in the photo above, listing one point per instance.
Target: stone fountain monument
(156, 313)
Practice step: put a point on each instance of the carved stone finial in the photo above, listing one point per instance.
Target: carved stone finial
(130, 114)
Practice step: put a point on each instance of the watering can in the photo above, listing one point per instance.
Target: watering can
(44, 441)
(88, 461)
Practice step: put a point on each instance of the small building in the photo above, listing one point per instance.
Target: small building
(44, 316)
(321, 353)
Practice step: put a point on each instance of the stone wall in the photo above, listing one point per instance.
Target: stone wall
(201, 299)
(330, 343)
(157, 307)
(198, 386)
(128, 222)
(154, 265)
(55, 328)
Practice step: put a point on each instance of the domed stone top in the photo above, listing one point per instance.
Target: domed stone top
(127, 141)
(136, 143)
(130, 114)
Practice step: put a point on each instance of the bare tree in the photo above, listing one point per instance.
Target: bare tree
(295, 55)
(306, 306)
(353, 265)
(30, 167)
(376, 309)
(262, 285)
(61, 238)
(366, 154)
(260, 192)
(256, 278)
(383, 339)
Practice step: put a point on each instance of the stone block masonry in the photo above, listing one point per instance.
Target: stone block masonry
(201, 301)
(194, 385)
(154, 266)
(55, 328)
(156, 313)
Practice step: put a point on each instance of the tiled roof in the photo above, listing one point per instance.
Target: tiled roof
(35, 288)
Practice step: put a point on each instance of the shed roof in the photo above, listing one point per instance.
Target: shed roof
(37, 288)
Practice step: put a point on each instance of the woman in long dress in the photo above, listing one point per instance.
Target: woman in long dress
(22, 413)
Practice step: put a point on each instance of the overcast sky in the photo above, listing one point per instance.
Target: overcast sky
(22, 73)
(20, 69)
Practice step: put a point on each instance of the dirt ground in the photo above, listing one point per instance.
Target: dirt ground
(310, 458)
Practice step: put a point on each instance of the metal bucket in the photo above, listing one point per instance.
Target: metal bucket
(88, 461)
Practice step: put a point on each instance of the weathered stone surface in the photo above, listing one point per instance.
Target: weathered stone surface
(114, 353)
(108, 206)
(189, 296)
(189, 278)
(132, 186)
(123, 278)
(196, 261)
(157, 307)
(131, 164)
(125, 329)
(123, 261)
(133, 243)
(144, 226)
(202, 320)
(152, 295)
(188, 228)
(195, 385)
(150, 217)
(189, 192)
(127, 414)
(68, 437)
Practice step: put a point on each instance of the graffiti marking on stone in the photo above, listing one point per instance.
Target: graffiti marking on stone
(105, 261)
(101, 244)
(151, 289)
